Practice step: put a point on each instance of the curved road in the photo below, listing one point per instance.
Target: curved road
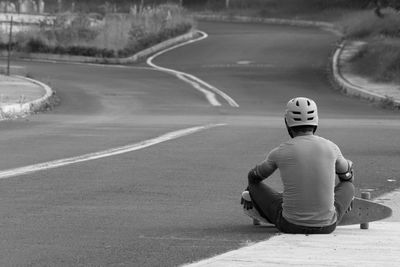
(177, 201)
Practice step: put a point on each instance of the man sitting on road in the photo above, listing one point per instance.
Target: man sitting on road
(310, 202)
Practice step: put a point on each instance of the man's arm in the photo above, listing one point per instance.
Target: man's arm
(264, 170)
(256, 175)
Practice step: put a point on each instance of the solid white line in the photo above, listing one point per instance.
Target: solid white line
(106, 153)
(209, 95)
(197, 83)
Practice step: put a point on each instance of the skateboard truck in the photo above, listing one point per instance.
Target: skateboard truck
(367, 196)
(364, 211)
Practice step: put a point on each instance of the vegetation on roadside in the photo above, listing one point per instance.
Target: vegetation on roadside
(380, 57)
(113, 35)
(299, 9)
(102, 6)
(364, 24)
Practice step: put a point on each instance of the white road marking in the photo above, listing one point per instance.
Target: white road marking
(106, 153)
(208, 90)
(209, 95)
(244, 62)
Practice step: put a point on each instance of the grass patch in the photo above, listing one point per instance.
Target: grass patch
(379, 59)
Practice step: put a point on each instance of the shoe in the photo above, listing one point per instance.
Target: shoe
(246, 195)
(257, 218)
(252, 212)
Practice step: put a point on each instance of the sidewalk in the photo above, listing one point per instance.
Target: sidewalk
(347, 246)
(20, 96)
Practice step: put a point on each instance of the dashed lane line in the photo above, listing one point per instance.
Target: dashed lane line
(106, 153)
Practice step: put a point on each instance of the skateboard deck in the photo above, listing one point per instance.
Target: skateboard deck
(365, 211)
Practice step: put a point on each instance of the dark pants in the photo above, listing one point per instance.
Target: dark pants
(268, 203)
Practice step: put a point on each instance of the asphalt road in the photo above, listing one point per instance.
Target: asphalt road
(177, 201)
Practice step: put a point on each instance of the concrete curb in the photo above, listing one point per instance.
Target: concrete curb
(16, 109)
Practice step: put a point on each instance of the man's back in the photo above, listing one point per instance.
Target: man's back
(307, 167)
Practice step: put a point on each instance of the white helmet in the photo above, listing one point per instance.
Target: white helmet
(301, 111)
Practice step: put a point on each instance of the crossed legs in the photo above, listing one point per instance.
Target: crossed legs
(268, 202)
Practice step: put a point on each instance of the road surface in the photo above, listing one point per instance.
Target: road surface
(176, 201)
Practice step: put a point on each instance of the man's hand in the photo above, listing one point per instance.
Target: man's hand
(246, 200)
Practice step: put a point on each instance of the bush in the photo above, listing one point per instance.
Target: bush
(60, 50)
(379, 60)
(153, 39)
(365, 24)
(37, 45)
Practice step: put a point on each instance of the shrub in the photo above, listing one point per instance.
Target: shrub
(37, 45)
(365, 24)
(380, 59)
(60, 50)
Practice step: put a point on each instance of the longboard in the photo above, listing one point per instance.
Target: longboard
(364, 211)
